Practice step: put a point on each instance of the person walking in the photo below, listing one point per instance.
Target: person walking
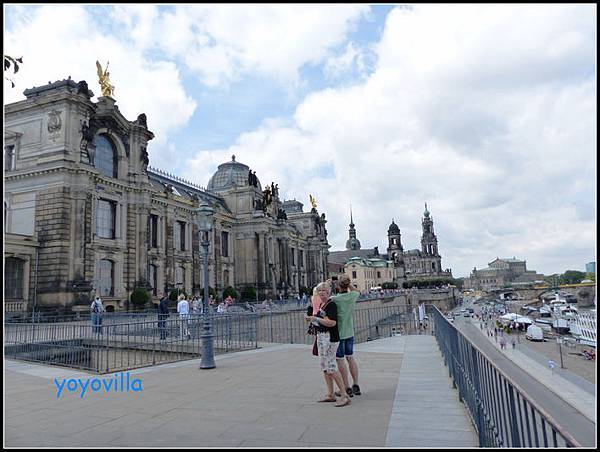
(502, 343)
(97, 309)
(345, 301)
(163, 315)
(324, 322)
(183, 309)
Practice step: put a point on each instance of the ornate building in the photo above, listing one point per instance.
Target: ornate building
(408, 265)
(83, 213)
(501, 273)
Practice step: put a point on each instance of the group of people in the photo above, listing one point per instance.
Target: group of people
(330, 320)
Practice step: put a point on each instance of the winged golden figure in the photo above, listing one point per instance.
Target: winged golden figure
(107, 88)
(313, 201)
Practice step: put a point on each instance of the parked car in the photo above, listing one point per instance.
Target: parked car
(534, 333)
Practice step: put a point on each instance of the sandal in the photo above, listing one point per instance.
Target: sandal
(345, 401)
(328, 399)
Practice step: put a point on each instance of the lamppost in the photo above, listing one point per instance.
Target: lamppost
(559, 341)
(205, 224)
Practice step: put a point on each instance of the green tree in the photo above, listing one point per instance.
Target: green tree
(572, 277)
(139, 297)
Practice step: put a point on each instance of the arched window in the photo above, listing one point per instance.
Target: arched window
(106, 285)
(13, 278)
(106, 156)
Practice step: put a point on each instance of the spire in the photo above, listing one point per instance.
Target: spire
(426, 213)
(351, 221)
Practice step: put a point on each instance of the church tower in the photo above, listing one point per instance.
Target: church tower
(396, 253)
(428, 239)
(352, 243)
(394, 242)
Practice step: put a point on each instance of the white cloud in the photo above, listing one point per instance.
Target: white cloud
(221, 43)
(469, 109)
(146, 86)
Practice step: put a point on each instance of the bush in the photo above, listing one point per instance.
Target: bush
(249, 293)
(139, 297)
(230, 291)
(211, 293)
(175, 293)
(389, 285)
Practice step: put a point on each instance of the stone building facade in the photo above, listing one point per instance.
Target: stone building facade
(84, 214)
(501, 273)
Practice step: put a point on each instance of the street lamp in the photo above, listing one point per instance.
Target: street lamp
(205, 224)
(559, 341)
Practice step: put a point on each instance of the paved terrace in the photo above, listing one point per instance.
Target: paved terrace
(258, 398)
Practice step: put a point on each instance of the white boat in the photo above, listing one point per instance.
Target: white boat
(545, 311)
(561, 326)
(583, 328)
(567, 312)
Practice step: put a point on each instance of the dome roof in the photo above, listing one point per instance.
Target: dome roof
(228, 175)
(393, 229)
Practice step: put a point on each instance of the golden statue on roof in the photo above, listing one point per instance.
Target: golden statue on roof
(107, 88)
(313, 201)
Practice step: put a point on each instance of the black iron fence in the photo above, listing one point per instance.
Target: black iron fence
(121, 341)
(503, 414)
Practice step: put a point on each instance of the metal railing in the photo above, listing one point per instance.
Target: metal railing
(503, 414)
(127, 341)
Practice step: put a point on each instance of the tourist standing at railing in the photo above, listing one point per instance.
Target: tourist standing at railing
(197, 306)
(324, 321)
(163, 315)
(345, 301)
(97, 309)
(183, 309)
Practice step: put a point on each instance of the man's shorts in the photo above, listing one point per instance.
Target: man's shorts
(346, 348)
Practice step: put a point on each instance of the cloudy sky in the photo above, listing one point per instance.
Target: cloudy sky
(487, 113)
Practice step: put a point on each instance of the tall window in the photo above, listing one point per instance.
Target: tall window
(13, 278)
(152, 275)
(181, 242)
(153, 231)
(224, 244)
(293, 256)
(106, 219)
(9, 158)
(107, 278)
(353, 274)
(301, 258)
(106, 156)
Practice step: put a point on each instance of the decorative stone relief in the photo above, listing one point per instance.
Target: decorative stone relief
(54, 124)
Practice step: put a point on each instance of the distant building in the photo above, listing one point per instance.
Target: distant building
(501, 273)
(590, 267)
(369, 273)
(407, 265)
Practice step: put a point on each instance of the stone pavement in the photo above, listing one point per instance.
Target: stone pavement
(257, 398)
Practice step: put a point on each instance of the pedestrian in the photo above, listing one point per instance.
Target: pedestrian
(327, 338)
(345, 301)
(97, 309)
(502, 343)
(197, 306)
(514, 344)
(183, 309)
(304, 299)
(163, 315)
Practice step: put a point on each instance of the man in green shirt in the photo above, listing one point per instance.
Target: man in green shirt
(346, 302)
